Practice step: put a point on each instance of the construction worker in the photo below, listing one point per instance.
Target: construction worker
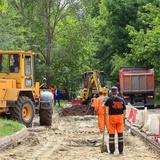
(94, 103)
(100, 112)
(52, 89)
(117, 114)
(57, 95)
(44, 84)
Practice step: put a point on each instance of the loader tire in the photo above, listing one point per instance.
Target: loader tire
(23, 111)
(45, 116)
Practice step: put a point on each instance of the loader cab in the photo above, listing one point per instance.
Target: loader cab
(9, 63)
(17, 65)
(20, 96)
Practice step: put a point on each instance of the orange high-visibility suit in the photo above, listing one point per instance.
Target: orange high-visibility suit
(100, 112)
(117, 112)
(94, 103)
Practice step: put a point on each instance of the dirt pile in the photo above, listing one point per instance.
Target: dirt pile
(77, 110)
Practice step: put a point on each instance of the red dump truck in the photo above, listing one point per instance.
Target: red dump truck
(137, 86)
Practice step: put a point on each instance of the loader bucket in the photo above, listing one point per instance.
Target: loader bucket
(76, 102)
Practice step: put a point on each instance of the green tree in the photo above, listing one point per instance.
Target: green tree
(111, 32)
(61, 34)
(145, 42)
(76, 42)
(12, 31)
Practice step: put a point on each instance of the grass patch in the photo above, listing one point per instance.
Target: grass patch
(62, 103)
(8, 127)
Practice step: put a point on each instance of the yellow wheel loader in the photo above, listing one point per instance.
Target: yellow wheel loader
(20, 96)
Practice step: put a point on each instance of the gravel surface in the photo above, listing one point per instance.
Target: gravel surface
(73, 138)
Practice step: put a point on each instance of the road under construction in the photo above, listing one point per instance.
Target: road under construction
(74, 135)
(72, 132)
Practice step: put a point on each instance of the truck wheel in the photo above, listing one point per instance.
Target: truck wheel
(45, 116)
(23, 111)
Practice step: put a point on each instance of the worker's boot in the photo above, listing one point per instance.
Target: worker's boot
(111, 143)
(120, 143)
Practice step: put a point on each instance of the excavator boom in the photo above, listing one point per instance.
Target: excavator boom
(93, 83)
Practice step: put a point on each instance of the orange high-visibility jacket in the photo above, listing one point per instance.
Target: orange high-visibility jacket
(52, 90)
(94, 103)
(100, 102)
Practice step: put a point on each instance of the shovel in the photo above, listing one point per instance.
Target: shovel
(103, 147)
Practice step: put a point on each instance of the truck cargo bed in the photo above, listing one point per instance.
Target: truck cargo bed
(136, 80)
(137, 85)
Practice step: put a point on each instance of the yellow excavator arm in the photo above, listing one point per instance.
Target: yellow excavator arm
(94, 85)
(94, 81)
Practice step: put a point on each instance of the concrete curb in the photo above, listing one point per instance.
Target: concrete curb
(149, 140)
(7, 140)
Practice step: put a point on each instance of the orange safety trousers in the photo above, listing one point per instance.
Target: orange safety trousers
(100, 113)
(101, 122)
(116, 123)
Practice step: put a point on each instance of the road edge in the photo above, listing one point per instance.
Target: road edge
(7, 140)
(13, 138)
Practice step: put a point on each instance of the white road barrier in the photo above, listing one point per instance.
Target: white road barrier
(141, 117)
(154, 124)
(148, 123)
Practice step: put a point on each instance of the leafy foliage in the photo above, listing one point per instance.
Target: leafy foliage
(74, 36)
(145, 42)
(112, 35)
(3, 5)
(60, 32)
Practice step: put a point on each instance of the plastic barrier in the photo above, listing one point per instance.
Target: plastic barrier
(135, 110)
(154, 124)
(141, 117)
(151, 127)
(132, 114)
(127, 110)
(148, 123)
(157, 138)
